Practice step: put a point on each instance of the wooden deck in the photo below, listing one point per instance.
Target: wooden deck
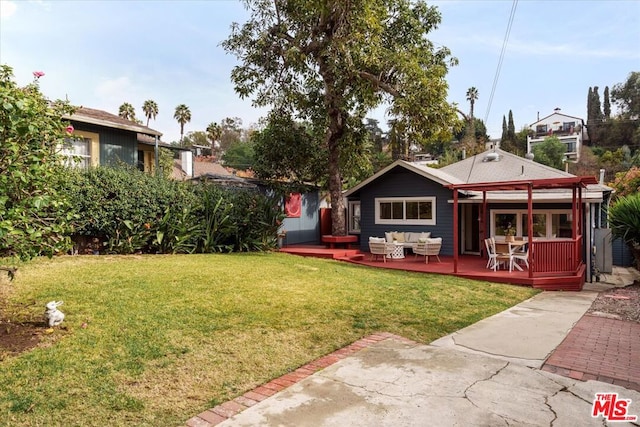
(469, 266)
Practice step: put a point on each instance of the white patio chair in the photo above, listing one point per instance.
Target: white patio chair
(381, 248)
(519, 255)
(495, 259)
(429, 248)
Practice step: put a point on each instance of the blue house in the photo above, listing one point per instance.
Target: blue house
(101, 138)
(408, 197)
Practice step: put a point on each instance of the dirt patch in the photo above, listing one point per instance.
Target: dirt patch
(618, 303)
(18, 337)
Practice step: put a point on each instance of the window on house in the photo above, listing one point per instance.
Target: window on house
(354, 217)
(546, 224)
(568, 126)
(407, 211)
(77, 151)
(541, 129)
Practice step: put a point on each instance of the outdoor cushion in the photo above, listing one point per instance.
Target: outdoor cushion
(399, 237)
(389, 236)
(377, 239)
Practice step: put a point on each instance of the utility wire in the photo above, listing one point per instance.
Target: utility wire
(504, 48)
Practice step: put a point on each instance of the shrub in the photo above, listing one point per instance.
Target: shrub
(624, 219)
(130, 212)
(35, 218)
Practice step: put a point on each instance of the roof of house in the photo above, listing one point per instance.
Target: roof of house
(209, 168)
(103, 118)
(556, 113)
(151, 140)
(496, 165)
(491, 166)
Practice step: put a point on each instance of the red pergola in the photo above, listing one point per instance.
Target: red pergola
(577, 227)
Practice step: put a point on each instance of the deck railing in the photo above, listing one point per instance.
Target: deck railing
(553, 257)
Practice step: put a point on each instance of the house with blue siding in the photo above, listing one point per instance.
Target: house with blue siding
(101, 138)
(408, 197)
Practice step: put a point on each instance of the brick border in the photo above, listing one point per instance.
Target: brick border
(226, 410)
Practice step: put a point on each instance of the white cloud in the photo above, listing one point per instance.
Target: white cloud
(7, 9)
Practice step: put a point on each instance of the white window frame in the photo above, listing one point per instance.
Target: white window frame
(69, 150)
(519, 214)
(404, 220)
(352, 209)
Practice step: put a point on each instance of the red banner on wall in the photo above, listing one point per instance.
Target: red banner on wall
(293, 205)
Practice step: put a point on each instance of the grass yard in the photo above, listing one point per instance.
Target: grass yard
(167, 337)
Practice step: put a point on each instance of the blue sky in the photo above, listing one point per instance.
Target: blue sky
(102, 53)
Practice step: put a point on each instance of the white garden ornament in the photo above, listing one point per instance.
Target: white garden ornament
(52, 315)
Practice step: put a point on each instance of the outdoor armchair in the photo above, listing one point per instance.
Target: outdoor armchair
(430, 247)
(380, 247)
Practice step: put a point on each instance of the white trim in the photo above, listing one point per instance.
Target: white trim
(404, 220)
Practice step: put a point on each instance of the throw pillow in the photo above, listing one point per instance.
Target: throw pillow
(389, 237)
(399, 237)
(425, 235)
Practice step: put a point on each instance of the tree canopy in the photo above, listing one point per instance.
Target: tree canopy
(329, 62)
(550, 152)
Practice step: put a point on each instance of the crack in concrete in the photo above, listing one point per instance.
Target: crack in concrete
(466, 390)
(546, 402)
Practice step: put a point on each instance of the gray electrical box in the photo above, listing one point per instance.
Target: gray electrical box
(604, 251)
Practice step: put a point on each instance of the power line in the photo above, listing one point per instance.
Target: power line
(504, 48)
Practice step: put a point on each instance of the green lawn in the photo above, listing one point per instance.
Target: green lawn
(170, 336)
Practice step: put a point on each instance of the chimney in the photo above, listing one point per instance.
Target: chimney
(464, 153)
(601, 180)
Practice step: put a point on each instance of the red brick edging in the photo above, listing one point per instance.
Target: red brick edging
(220, 413)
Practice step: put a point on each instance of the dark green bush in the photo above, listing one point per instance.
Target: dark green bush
(131, 212)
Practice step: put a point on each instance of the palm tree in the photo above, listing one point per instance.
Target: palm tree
(150, 109)
(182, 115)
(469, 138)
(126, 111)
(472, 95)
(214, 131)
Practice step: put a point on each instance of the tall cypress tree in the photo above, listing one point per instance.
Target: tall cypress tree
(511, 130)
(504, 136)
(595, 121)
(607, 104)
(589, 104)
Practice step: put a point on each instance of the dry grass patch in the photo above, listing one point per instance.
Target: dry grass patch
(169, 336)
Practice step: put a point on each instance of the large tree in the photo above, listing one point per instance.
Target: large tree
(627, 96)
(182, 116)
(329, 62)
(150, 109)
(230, 132)
(550, 152)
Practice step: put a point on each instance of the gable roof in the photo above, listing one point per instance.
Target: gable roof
(496, 165)
(103, 118)
(556, 113)
(437, 175)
